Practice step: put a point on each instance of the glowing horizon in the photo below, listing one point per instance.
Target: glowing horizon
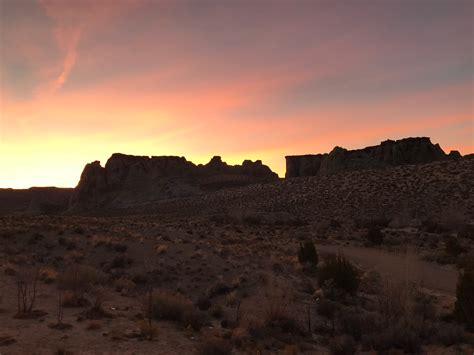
(81, 80)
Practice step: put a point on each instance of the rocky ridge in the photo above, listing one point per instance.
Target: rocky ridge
(128, 180)
(388, 153)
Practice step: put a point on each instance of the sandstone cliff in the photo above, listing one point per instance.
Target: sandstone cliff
(127, 180)
(388, 153)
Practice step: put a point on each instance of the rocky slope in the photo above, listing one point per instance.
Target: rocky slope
(388, 153)
(441, 190)
(127, 180)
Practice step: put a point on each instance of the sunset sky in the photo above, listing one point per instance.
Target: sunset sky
(81, 80)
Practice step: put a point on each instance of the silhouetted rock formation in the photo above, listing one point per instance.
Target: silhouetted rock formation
(128, 180)
(388, 153)
(35, 200)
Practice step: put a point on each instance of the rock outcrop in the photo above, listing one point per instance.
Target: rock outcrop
(35, 200)
(388, 153)
(128, 180)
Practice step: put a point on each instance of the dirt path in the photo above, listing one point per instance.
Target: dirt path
(400, 266)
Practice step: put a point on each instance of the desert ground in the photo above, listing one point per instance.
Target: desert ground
(357, 262)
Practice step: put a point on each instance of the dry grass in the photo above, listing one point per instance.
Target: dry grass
(161, 249)
(148, 330)
(94, 325)
(78, 279)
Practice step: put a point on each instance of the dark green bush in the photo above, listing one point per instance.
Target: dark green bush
(341, 273)
(307, 254)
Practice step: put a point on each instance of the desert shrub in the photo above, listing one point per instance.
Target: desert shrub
(343, 274)
(203, 303)
(120, 248)
(342, 345)
(307, 254)
(252, 219)
(431, 226)
(328, 309)
(374, 236)
(147, 330)
(394, 300)
(466, 261)
(48, 276)
(403, 334)
(356, 322)
(26, 287)
(214, 346)
(275, 303)
(67, 243)
(123, 283)
(453, 247)
(464, 306)
(371, 282)
(423, 306)
(466, 231)
(79, 279)
(79, 230)
(377, 222)
(176, 307)
(121, 262)
(140, 279)
(216, 311)
(35, 238)
(161, 249)
(232, 299)
(219, 288)
(94, 325)
(334, 223)
(100, 295)
(61, 350)
(448, 333)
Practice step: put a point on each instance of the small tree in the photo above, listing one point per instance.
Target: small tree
(307, 254)
(464, 306)
(343, 274)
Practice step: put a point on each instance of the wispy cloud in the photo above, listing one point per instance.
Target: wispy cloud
(72, 19)
(70, 55)
(69, 25)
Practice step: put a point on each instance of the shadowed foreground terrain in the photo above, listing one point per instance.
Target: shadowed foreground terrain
(235, 271)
